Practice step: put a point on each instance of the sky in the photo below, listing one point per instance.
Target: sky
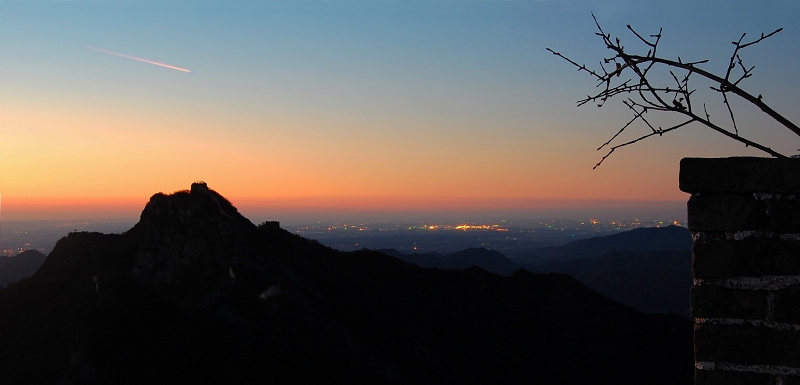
(296, 110)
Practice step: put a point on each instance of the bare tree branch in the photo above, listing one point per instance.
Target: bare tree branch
(659, 132)
(581, 67)
(645, 95)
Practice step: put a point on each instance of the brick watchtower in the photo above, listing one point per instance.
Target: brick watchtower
(744, 214)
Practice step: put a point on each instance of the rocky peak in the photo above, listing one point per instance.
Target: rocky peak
(190, 238)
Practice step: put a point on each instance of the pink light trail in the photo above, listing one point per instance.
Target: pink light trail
(140, 59)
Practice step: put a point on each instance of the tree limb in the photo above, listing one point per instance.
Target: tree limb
(648, 96)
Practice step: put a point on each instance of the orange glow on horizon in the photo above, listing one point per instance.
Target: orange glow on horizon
(16, 208)
(50, 208)
(107, 160)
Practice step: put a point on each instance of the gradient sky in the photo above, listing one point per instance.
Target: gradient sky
(362, 106)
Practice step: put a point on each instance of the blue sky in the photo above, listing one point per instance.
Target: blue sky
(399, 104)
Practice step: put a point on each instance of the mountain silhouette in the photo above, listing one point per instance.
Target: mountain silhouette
(195, 293)
(641, 240)
(653, 282)
(23, 265)
(489, 260)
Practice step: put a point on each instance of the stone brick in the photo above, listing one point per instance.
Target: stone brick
(726, 212)
(718, 377)
(783, 215)
(720, 302)
(753, 257)
(735, 212)
(742, 344)
(739, 174)
(787, 305)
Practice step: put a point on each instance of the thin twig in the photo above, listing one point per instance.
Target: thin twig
(659, 133)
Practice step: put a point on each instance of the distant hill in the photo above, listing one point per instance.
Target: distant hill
(647, 268)
(653, 282)
(23, 265)
(641, 240)
(489, 260)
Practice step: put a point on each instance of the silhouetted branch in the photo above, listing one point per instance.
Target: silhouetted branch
(581, 67)
(658, 132)
(645, 95)
(730, 111)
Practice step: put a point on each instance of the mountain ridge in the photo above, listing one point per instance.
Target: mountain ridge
(642, 240)
(23, 265)
(489, 260)
(654, 282)
(194, 293)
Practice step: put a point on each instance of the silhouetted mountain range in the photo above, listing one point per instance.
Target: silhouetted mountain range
(488, 260)
(657, 281)
(641, 240)
(653, 282)
(195, 293)
(23, 265)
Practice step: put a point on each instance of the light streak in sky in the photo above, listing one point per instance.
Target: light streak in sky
(140, 59)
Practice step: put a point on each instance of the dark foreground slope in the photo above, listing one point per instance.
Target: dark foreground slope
(196, 293)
